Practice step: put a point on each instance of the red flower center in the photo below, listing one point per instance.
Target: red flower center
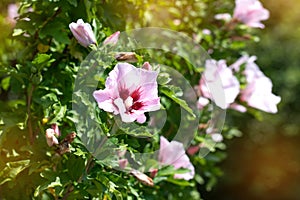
(137, 105)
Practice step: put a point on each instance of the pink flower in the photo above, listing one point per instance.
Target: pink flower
(130, 92)
(173, 153)
(206, 32)
(192, 150)
(83, 33)
(147, 66)
(12, 13)
(153, 172)
(217, 137)
(123, 163)
(50, 137)
(56, 130)
(223, 16)
(112, 39)
(219, 84)
(202, 102)
(258, 92)
(250, 12)
(238, 107)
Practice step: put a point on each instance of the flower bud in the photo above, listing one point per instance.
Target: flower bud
(83, 33)
(126, 57)
(112, 39)
(147, 66)
(56, 130)
(51, 139)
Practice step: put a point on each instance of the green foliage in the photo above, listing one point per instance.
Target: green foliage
(45, 80)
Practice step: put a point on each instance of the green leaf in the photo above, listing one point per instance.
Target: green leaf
(140, 131)
(41, 58)
(212, 182)
(54, 90)
(38, 166)
(233, 133)
(180, 182)
(75, 166)
(167, 90)
(55, 29)
(170, 170)
(59, 112)
(163, 78)
(12, 169)
(158, 179)
(5, 82)
(46, 185)
(17, 32)
(73, 2)
(111, 186)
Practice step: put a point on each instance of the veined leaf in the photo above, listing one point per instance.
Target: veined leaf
(172, 95)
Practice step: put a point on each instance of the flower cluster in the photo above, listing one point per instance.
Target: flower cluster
(219, 84)
(137, 121)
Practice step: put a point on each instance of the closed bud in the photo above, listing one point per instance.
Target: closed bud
(83, 33)
(112, 39)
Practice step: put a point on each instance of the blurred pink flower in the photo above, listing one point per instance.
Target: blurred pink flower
(217, 137)
(147, 66)
(250, 12)
(83, 33)
(12, 13)
(258, 92)
(223, 16)
(238, 107)
(219, 84)
(112, 39)
(130, 92)
(202, 102)
(192, 150)
(153, 172)
(173, 153)
(50, 137)
(206, 32)
(123, 163)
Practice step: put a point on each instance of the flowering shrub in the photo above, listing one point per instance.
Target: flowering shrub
(80, 122)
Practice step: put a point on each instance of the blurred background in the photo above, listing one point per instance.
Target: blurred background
(265, 162)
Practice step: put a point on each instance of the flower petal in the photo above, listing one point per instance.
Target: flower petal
(173, 153)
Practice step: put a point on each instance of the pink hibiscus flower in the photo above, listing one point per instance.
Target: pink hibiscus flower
(218, 80)
(258, 92)
(173, 153)
(250, 12)
(130, 92)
